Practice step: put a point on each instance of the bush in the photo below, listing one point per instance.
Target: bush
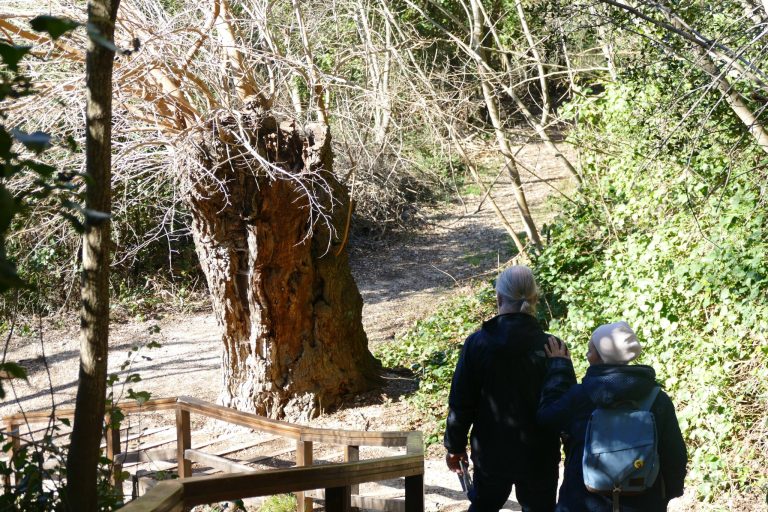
(676, 247)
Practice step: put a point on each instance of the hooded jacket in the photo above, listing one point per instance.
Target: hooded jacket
(567, 406)
(496, 390)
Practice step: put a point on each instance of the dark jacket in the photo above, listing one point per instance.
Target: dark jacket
(496, 389)
(567, 406)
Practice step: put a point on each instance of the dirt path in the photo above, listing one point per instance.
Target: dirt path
(400, 280)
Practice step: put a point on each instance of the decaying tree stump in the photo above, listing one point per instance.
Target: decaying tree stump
(268, 221)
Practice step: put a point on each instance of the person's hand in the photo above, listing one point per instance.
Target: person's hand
(556, 348)
(452, 461)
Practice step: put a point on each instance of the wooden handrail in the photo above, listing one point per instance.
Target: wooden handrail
(159, 404)
(291, 431)
(208, 489)
(166, 496)
(245, 419)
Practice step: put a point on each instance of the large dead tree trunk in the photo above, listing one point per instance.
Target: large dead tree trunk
(279, 277)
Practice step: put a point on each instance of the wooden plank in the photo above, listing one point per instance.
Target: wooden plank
(414, 493)
(166, 496)
(209, 489)
(143, 433)
(145, 454)
(12, 431)
(367, 502)
(135, 456)
(281, 428)
(220, 463)
(352, 454)
(154, 455)
(246, 445)
(253, 460)
(163, 454)
(354, 438)
(159, 466)
(112, 439)
(415, 443)
(183, 442)
(28, 433)
(337, 499)
(303, 458)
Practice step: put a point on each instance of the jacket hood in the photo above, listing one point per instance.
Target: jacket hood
(608, 385)
(520, 331)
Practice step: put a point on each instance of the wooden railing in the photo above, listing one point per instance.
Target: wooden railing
(340, 481)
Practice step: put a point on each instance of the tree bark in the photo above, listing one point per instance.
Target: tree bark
(293, 342)
(83, 456)
(546, 104)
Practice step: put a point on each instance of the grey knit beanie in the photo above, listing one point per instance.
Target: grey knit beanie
(616, 343)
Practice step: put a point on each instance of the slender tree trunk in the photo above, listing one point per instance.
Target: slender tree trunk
(83, 457)
(545, 101)
(378, 72)
(280, 282)
(478, 35)
(316, 90)
(605, 42)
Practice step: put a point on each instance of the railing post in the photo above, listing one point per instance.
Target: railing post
(414, 493)
(112, 438)
(183, 441)
(337, 499)
(352, 454)
(303, 458)
(14, 445)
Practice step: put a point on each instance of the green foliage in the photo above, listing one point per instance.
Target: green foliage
(19, 153)
(279, 503)
(54, 26)
(13, 371)
(37, 488)
(430, 350)
(675, 245)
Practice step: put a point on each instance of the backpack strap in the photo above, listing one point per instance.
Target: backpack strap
(646, 404)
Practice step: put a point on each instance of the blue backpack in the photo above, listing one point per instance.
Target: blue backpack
(621, 450)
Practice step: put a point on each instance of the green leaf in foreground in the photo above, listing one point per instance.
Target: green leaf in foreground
(54, 26)
(13, 371)
(12, 54)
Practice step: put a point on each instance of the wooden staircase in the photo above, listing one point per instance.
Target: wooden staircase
(267, 457)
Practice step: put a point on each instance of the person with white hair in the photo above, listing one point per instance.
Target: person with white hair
(495, 391)
(609, 383)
